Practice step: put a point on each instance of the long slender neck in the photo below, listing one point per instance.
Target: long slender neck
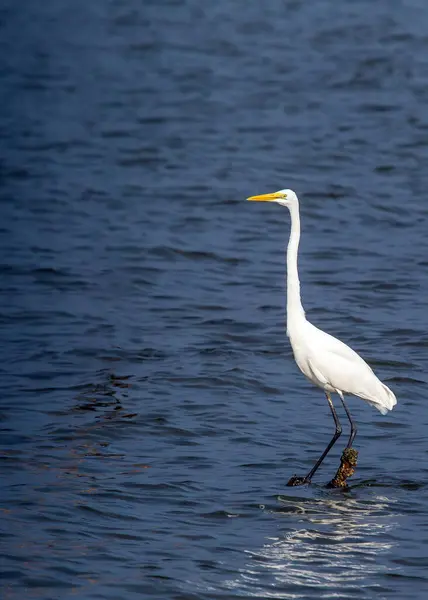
(294, 303)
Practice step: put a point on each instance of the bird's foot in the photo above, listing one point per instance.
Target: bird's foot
(295, 480)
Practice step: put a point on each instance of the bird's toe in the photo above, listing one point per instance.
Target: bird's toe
(296, 480)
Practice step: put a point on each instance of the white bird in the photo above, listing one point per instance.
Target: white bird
(326, 361)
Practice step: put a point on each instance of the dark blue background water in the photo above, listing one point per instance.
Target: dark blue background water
(151, 411)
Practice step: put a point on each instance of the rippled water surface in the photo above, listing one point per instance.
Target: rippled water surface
(151, 412)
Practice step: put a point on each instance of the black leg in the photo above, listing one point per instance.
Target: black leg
(301, 480)
(353, 426)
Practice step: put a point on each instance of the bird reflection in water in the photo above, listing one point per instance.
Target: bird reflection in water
(333, 549)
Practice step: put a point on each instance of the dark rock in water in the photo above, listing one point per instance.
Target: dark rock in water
(348, 462)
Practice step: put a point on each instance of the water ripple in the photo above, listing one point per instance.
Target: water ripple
(151, 412)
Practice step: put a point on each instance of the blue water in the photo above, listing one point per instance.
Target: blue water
(151, 411)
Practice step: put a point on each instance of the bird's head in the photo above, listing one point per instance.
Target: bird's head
(284, 197)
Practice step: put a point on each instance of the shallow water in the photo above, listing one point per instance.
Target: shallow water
(151, 412)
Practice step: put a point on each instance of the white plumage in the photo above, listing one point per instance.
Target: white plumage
(335, 367)
(326, 361)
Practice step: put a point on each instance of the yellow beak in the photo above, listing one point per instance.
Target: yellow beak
(266, 197)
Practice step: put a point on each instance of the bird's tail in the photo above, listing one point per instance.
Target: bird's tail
(385, 401)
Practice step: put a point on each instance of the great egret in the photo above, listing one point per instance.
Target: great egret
(326, 361)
